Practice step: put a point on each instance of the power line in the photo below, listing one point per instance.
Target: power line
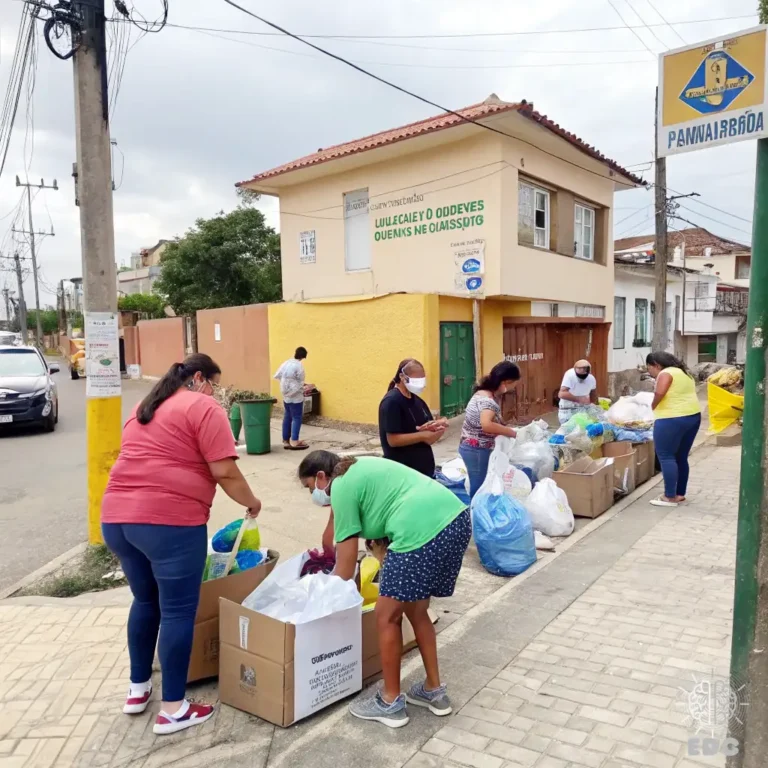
(454, 36)
(658, 13)
(631, 29)
(643, 22)
(399, 88)
(717, 221)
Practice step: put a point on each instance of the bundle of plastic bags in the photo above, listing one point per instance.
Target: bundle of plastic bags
(531, 449)
(632, 413)
(549, 509)
(500, 523)
(248, 555)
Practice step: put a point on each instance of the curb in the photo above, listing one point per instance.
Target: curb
(44, 570)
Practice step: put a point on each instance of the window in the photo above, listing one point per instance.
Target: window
(641, 323)
(677, 313)
(21, 363)
(742, 268)
(533, 216)
(584, 232)
(619, 322)
(357, 236)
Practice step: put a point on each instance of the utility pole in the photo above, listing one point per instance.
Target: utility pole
(6, 296)
(31, 233)
(659, 342)
(94, 192)
(62, 308)
(22, 305)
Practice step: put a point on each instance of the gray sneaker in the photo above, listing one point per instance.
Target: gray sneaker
(394, 715)
(436, 701)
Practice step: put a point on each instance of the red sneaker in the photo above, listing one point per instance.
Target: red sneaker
(135, 705)
(196, 714)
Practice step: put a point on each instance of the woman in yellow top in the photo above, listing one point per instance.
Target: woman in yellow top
(678, 418)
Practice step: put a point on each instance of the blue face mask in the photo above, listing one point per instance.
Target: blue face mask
(321, 497)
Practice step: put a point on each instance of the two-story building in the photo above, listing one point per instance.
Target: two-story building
(458, 240)
(143, 272)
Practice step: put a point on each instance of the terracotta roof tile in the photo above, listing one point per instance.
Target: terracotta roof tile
(491, 106)
(696, 240)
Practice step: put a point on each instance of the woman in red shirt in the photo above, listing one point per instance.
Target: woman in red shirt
(176, 448)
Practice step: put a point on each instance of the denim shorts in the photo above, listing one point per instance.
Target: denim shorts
(431, 570)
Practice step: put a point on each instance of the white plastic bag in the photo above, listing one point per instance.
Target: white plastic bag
(516, 483)
(283, 595)
(549, 509)
(542, 542)
(536, 455)
(634, 410)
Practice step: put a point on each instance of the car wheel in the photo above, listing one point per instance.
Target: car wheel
(74, 374)
(50, 423)
(56, 420)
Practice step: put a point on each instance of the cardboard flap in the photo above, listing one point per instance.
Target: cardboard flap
(587, 466)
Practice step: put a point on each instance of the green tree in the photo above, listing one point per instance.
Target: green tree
(149, 304)
(230, 260)
(49, 319)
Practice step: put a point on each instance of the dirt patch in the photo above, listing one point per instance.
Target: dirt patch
(84, 573)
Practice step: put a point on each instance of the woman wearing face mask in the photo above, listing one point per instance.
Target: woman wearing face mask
(483, 424)
(427, 530)
(406, 427)
(176, 447)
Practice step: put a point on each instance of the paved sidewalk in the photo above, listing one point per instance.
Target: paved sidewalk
(577, 663)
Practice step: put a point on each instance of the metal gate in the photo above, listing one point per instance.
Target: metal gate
(457, 367)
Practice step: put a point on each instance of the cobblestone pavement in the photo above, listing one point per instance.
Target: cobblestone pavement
(579, 663)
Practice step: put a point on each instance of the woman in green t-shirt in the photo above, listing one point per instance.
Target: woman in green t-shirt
(427, 530)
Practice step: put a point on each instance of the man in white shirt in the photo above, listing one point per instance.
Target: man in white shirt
(292, 387)
(578, 390)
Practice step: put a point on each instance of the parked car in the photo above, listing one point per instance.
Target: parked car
(28, 393)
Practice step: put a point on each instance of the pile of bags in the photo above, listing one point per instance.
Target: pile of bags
(248, 549)
(510, 510)
(632, 418)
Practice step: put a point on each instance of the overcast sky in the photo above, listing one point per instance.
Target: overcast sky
(196, 112)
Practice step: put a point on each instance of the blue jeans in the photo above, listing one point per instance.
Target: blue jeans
(294, 413)
(674, 440)
(164, 566)
(476, 461)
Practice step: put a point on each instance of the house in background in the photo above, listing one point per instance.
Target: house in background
(705, 317)
(143, 271)
(459, 240)
(696, 248)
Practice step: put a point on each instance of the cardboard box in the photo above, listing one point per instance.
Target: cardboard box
(282, 672)
(204, 661)
(645, 459)
(623, 455)
(588, 484)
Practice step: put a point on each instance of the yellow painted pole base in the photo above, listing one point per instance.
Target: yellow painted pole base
(103, 422)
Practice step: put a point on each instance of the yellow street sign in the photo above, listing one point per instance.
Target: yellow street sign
(713, 93)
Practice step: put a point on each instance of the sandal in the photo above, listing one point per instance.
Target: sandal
(660, 501)
(299, 447)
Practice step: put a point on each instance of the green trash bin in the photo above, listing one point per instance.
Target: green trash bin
(235, 420)
(256, 420)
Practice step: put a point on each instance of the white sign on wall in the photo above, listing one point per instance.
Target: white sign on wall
(469, 263)
(217, 332)
(307, 247)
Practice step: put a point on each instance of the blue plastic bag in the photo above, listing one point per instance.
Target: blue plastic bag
(501, 524)
(457, 487)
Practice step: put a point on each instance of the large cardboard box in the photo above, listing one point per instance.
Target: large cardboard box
(588, 484)
(623, 455)
(645, 459)
(282, 672)
(204, 661)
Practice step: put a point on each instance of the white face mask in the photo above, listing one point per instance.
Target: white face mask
(416, 386)
(320, 496)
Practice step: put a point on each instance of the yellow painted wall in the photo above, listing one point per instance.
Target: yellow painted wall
(354, 348)
(455, 310)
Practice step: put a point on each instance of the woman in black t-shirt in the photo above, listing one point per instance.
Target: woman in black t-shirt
(406, 427)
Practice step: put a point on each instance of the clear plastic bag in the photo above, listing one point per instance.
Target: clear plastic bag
(500, 523)
(549, 509)
(536, 455)
(632, 412)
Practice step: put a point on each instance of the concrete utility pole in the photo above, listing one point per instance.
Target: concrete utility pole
(94, 192)
(22, 304)
(31, 233)
(659, 341)
(7, 298)
(749, 648)
(62, 308)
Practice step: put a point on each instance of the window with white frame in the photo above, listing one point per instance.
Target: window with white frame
(357, 235)
(533, 216)
(584, 232)
(641, 338)
(619, 322)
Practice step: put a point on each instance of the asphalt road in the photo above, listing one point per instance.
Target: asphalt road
(43, 483)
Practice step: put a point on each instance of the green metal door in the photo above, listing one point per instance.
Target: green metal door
(457, 367)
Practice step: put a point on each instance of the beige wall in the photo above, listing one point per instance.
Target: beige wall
(724, 265)
(474, 168)
(243, 349)
(161, 343)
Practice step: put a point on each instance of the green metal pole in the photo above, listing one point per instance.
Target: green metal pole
(753, 445)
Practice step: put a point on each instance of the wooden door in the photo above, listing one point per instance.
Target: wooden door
(457, 367)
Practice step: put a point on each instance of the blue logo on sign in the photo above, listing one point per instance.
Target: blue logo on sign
(716, 83)
(474, 283)
(470, 266)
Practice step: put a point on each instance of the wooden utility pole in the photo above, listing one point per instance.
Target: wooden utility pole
(659, 341)
(31, 233)
(94, 192)
(22, 305)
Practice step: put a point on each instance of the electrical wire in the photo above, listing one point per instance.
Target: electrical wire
(630, 216)
(698, 226)
(631, 29)
(658, 13)
(644, 23)
(146, 26)
(456, 35)
(717, 221)
(423, 99)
